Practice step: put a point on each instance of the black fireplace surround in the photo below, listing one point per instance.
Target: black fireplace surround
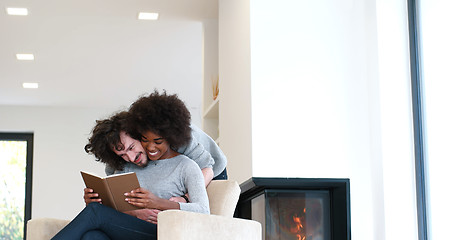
(336, 191)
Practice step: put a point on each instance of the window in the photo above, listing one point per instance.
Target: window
(432, 36)
(16, 151)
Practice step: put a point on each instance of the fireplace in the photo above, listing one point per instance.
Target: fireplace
(297, 208)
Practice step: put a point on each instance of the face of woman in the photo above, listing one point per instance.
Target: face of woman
(132, 150)
(156, 147)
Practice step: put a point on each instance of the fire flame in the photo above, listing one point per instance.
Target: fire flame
(298, 229)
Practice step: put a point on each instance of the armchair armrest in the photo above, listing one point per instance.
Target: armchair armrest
(179, 225)
(44, 228)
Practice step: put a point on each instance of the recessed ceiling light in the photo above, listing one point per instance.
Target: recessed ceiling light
(25, 56)
(147, 16)
(30, 85)
(17, 11)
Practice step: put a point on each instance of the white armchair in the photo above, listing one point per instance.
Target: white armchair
(179, 225)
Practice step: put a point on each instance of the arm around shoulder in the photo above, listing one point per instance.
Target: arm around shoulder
(195, 185)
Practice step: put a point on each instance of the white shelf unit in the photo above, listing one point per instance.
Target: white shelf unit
(211, 120)
(211, 107)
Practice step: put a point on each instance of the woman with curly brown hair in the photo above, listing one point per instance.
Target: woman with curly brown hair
(162, 172)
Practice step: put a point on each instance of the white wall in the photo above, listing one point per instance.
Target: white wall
(60, 134)
(437, 38)
(400, 216)
(235, 87)
(310, 96)
(328, 99)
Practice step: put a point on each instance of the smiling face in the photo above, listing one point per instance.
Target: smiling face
(132, 150)
(156, 147)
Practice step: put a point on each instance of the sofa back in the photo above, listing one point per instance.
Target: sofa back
(223, 197)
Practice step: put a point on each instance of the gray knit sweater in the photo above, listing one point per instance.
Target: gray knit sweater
(174, 177)
(204, 151)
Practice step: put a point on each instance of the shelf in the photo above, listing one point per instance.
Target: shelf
(213, 109)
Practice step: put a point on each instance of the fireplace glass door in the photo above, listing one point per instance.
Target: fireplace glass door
(293, 214)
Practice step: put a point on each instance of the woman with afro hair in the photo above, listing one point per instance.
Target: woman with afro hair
(162, 123)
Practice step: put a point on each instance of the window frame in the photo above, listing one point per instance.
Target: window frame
(28, 137)
(419, 140)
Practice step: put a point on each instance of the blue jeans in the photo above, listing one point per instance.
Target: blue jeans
(221, 176)
(97, 221)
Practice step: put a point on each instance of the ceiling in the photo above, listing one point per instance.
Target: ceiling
(97, 53)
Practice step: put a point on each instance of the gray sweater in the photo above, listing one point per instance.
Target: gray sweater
(204, 151)
(174, 177)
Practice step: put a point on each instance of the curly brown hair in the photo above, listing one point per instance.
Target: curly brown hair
(163, 114)
(106, 136)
